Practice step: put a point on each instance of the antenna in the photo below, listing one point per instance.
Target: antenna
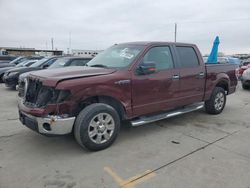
(70, 42)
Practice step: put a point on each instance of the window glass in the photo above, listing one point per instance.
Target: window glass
(79, 62)
(51, 61)
(161, 56)
(118, 56)
(188, 57)
(60, 62)
(39, 62)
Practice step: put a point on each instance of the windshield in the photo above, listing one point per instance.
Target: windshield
(118, 56)
(19, 60)
(61, 62)
(39, 63)
(21, 64)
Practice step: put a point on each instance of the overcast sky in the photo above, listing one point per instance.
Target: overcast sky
(96, 24)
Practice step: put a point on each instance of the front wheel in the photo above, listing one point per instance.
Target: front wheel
(245, 86)
(217, 101)
(97, 126)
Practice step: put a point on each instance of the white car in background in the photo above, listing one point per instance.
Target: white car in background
(245, 80)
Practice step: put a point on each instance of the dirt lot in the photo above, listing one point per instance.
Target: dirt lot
(194, 150)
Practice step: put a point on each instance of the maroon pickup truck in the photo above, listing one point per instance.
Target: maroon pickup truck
(139, 82)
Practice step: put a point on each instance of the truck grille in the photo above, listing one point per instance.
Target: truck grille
(37, 95)
(33, 89)
(21, 86)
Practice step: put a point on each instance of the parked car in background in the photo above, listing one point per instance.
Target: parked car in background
(6, 58)
(70, 61)
(58, 63)
(245, 80)
(225, 60)
(243, 66)
(245, 62)
(25, 63)
(11, 76)
(19, 60)
(230, 60)
(234, 60)
(140, 82)
(9, 64)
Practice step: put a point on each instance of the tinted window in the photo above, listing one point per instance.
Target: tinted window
(161, 56)
(188, 57)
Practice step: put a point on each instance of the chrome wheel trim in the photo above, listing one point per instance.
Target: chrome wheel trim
(219, 101)
(101, 128)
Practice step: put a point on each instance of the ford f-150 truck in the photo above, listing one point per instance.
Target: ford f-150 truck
(139, 82)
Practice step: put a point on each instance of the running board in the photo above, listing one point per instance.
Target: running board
(150, 119)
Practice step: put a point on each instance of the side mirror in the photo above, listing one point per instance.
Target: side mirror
(145, 68)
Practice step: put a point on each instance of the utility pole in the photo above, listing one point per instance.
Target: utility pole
(175, 32)
(70, 42)
(52, 43)
(46, 47)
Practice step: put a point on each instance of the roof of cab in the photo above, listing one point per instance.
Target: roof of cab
(74, 57)
(149, 43)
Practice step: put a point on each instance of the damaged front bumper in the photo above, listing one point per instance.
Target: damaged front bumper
(44, 124)
(53, 125)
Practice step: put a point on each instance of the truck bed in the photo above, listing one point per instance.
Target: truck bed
(216, 72)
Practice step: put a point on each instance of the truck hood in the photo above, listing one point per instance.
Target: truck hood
(50, 77)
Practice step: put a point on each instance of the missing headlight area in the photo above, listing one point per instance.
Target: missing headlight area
(38, 95)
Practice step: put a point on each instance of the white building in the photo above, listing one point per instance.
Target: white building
(86, 53)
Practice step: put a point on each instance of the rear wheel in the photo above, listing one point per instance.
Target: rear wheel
(217, 101)
(97, 126)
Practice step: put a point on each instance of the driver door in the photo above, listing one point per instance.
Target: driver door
(157, 91)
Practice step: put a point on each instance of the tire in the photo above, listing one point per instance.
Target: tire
(87, 124)
(1, 78)
(217, 101)
(245, 86)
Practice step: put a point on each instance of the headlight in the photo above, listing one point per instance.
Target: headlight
(59, 96)
(63, 94)
(48, 95)
(13, 73)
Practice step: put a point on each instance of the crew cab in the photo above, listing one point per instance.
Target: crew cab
(139, 82)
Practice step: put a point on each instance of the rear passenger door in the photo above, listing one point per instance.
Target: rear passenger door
(192, 75)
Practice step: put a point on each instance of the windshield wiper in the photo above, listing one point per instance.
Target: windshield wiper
(99, 65)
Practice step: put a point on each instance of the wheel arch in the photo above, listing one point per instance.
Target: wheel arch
(116, 104)
(223, 83)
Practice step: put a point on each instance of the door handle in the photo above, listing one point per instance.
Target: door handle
(201, 75)
(175, 77)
